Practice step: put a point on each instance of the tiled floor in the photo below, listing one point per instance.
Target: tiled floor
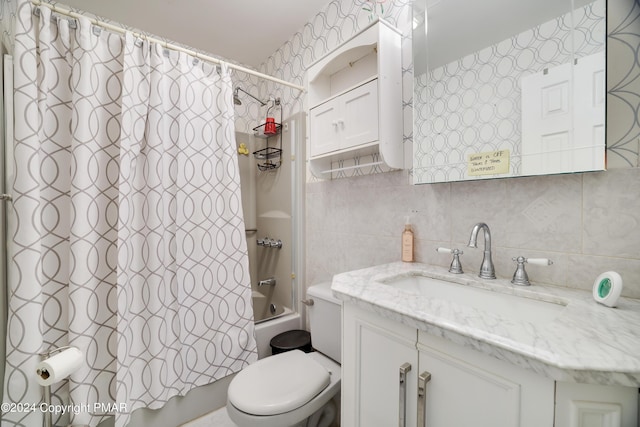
(217, 418)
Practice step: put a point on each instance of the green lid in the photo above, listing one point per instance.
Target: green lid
(604, 287)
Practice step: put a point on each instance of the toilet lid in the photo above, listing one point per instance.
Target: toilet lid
(278, 384)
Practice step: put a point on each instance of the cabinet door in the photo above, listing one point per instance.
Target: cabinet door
(358, 122)
(592, 405)
(468, 388)
(323, 124)
(374, 350)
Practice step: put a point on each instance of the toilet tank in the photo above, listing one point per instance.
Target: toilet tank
(325, 321)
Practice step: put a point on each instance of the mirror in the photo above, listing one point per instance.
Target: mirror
(506, 88)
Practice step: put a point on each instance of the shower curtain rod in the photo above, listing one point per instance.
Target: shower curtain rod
(167, 45)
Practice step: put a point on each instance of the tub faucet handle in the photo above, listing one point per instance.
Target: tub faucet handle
(456, 266)
(273, 243)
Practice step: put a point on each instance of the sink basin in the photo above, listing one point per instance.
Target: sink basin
(505, 305)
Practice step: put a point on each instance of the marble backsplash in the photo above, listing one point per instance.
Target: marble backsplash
(585, 223)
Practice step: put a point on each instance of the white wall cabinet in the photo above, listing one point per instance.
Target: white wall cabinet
(348, 121)
(465, 387)
(355, 101)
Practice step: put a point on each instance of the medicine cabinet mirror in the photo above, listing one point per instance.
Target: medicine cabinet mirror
(507, 88)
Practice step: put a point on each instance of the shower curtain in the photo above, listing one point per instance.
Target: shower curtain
(127, 238)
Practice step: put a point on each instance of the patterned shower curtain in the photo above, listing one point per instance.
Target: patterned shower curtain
(127, 237)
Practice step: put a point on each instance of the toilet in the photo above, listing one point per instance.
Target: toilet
(294, 388)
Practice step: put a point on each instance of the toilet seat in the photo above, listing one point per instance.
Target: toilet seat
(278, 384)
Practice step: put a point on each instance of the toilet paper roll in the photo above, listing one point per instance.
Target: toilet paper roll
(58, 367)
(607, 288)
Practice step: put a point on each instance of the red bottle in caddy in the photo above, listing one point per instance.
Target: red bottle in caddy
(270, 126)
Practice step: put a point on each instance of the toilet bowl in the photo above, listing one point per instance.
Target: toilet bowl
(294, 388)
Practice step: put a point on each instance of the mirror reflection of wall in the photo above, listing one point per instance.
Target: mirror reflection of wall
(508, 90)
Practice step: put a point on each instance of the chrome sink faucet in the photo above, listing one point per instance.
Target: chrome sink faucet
(486, 269)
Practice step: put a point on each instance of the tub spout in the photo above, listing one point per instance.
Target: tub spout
(267, 282)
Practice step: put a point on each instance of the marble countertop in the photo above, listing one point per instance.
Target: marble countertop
(585, 342)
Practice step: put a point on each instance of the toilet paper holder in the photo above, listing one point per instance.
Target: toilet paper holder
(48, 420)
(48, 354)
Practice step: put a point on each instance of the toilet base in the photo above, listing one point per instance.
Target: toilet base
(324, 417)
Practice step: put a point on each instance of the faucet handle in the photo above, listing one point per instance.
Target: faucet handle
(538, 261)
(456, 266)
(520, 276)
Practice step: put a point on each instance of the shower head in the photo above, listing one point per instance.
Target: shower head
(236, 98)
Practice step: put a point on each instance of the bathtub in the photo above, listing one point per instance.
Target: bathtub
(264, 309)
(267, 328)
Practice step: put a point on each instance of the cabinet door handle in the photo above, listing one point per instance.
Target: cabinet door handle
(402, 407)
(423, 379)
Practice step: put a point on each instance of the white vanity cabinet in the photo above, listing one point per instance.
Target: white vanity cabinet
(464, 387)
(592, 405)
(468, 388)
(374, 350)
(355, 102)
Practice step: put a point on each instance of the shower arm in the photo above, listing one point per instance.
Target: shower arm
(238, 88)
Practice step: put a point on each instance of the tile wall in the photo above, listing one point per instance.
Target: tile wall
(579, 221)
(586, 223)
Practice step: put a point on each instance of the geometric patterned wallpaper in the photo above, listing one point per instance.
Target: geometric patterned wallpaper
(623, 76)
(473, 104)
(343, 18)
(338, 22)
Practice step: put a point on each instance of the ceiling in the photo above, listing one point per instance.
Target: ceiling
(247, 31)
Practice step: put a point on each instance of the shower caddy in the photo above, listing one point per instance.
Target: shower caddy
(272, 156)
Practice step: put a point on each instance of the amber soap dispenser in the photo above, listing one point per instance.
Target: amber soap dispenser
(407, 243)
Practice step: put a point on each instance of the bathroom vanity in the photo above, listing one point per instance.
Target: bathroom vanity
(422, 346)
